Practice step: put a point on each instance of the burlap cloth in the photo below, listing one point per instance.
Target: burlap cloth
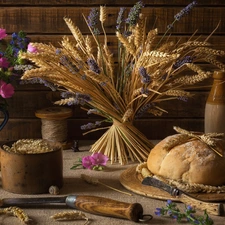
(73, 184)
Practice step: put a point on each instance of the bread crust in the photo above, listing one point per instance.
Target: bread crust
(192, 162)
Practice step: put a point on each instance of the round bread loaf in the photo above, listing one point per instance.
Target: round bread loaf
(190, 162)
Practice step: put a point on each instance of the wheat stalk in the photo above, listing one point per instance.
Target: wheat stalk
(95, 181)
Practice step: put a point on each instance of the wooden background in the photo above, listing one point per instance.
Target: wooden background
(43, 22)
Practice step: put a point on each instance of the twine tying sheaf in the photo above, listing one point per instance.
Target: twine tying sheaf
(54, 130)
(208, 139)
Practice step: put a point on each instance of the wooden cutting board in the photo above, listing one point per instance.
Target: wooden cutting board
(131, 180)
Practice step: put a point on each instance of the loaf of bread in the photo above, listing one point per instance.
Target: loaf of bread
(192, 162)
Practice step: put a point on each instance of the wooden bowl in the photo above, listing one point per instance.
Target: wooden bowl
(32, 173)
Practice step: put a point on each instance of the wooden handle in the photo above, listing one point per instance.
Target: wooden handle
(109, 207)
(210, 207)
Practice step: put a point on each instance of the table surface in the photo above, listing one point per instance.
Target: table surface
(74, 184)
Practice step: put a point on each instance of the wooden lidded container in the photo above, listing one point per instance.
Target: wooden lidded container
(32, 173)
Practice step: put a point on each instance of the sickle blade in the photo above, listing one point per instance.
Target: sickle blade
(32, 201)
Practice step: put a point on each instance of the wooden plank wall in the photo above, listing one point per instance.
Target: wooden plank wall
(43, 22)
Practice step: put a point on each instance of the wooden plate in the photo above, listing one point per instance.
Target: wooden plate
(132, 181)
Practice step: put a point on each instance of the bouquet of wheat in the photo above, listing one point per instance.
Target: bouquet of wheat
(145, 74)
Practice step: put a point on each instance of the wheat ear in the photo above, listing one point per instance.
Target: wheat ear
(71, 215)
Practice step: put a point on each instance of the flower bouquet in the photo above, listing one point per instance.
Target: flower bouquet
(145, 74)
(11, 66)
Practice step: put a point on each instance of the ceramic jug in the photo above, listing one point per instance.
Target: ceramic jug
(215, 105)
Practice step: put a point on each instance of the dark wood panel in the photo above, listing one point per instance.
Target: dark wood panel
(158, 129)
(152, 128)
(108, 2)
(24, 104)
(18, 129)
(50, 19)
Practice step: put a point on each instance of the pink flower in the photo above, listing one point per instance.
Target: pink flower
(98, 159)
(4, 62)
(6, 90)
(86, 162)
(31, 48)
(2, 33)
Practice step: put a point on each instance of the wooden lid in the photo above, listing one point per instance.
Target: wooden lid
(54, 113)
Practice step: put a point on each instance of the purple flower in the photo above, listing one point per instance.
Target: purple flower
(181, 62)
(189, 207)
(144, 109)
(185, 10)
(145, 80)
(74, 98)
(48, 84)
(158, 212)
(58, 51)
(2, 33)
(169, 202)
(6, 90)
(98, 123)
(90, 126)
(173, 216)
(183, 98)
(87, 162)
(19, 42)
(142, 71)
(31, 48)
(182, 13)
(133, 15)
(145, 77)
(67, 94)
(98, 159)
(145, 91)
(92, 111)
(93, 66)
(93, 20)
(120, 18)
(4, 62)
(68, 64)
(82, 99)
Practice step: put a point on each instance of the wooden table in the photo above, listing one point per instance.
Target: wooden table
(73, 184)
